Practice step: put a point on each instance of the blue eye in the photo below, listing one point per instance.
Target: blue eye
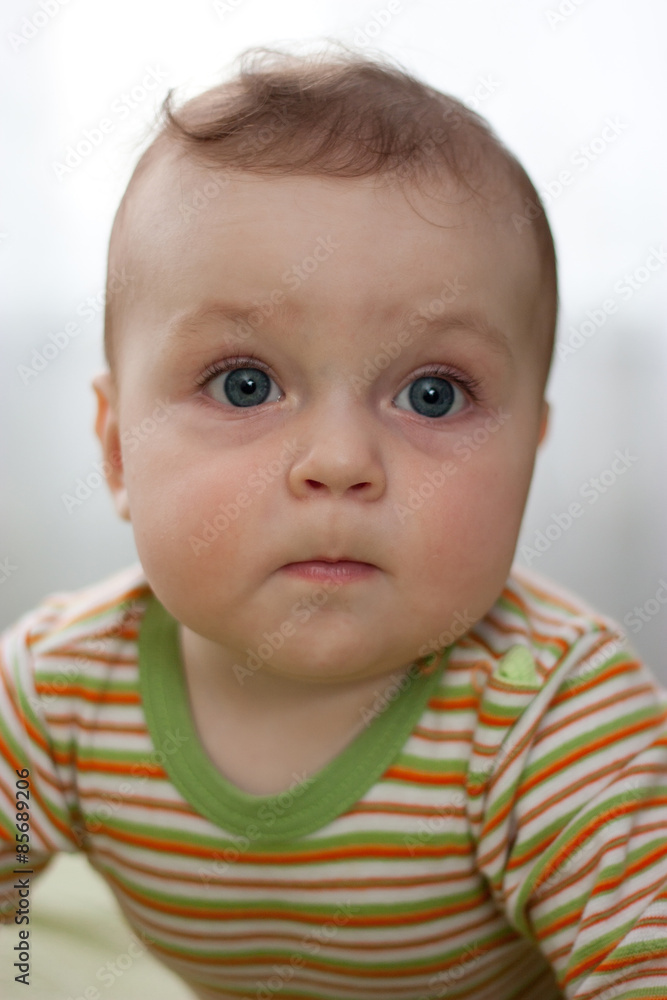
(243, 387)
(432, 396)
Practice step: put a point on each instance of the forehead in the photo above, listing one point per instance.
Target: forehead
(352, 248)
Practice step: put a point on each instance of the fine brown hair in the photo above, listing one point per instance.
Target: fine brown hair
(343, 114)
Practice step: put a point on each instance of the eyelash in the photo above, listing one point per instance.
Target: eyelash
(228, 365)
(471, 386)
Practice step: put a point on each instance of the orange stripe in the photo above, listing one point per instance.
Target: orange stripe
(401, 773)
(110, 767)
(365, 851)
(99, 697)
(95, 725)
(450, 704)
(92, 796)
(399, 881)
(285, 937)
(613, 670)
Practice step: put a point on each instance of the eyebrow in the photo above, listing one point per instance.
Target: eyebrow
(472, 322)
(231, 312)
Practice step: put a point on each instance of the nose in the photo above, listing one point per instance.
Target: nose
(339, 454)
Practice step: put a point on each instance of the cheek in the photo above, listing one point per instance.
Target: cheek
(186, 503)
(468, 527)
(474, 514)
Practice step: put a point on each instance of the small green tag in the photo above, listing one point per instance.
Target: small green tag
(518, 667)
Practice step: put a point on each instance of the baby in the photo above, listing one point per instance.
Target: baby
(324, 743)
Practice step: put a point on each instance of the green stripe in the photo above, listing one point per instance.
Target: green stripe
(94, 684)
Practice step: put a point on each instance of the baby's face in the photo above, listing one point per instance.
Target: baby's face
(345, 380)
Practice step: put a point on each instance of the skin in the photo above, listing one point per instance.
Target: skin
(358, 446)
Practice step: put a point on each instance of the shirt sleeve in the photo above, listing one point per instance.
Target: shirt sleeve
(37, 788)
(571, 820)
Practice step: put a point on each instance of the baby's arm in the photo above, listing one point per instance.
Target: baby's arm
(573, 822)
(35, 809)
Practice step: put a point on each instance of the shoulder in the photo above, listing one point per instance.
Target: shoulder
(64, 620)
(551, 624)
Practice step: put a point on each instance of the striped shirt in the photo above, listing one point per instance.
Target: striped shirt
(498, 829)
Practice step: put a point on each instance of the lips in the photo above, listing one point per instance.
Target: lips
(328, 561)
(329, 568)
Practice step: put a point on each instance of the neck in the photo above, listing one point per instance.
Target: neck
(207, 665)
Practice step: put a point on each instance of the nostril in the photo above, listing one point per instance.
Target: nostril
(314, 482)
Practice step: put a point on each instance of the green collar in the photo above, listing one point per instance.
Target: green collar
(309, 804)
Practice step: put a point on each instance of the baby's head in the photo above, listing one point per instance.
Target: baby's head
(332, 344)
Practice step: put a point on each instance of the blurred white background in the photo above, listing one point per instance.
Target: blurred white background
(550, 75)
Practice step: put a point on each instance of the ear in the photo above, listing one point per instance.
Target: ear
(544, 424)
(107, 430)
